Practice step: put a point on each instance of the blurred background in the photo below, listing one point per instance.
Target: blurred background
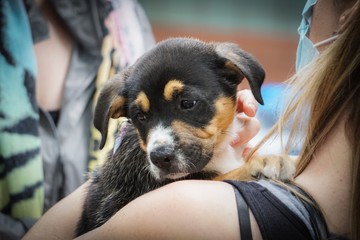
(265, 28)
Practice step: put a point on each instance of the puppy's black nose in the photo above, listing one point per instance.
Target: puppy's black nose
(162, 157)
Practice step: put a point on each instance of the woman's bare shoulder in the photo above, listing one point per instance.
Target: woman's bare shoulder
(181, 210)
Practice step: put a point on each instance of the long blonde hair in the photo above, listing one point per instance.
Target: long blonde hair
(325, 92)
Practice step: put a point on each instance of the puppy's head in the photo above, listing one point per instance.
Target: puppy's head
(181, 98)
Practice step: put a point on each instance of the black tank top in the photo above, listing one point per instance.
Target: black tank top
(274, 218)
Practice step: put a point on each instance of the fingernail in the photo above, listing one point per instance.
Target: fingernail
(241, 116)
(252, 106)
(246, 151)
(235, 141)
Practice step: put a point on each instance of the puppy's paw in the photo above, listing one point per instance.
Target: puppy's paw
(279, 167)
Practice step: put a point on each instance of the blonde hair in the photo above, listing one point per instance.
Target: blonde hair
(325, 92)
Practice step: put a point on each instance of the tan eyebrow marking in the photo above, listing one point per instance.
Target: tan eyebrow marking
(142, 101)
(117, 107)
(171, 87)
(216, 129)
(225, 112)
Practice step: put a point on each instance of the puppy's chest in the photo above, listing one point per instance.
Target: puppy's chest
(226, 157)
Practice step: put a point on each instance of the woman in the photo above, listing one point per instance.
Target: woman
(328, 92)
(51, 65)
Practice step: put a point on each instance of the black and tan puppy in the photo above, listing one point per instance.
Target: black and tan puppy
(180, 98)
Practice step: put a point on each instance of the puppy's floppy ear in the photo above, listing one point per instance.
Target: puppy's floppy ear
(239, 64)
(112, 102)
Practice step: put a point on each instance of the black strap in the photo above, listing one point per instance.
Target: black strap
(316, 217)
(275, 220)
(244, 216)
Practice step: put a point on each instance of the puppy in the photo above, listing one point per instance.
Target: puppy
(180, 99)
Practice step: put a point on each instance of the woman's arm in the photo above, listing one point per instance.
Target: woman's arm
(61, 220)
(181, 210)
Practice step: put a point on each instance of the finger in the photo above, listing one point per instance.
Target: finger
(250, 127)
(246, 151)
(246, 103)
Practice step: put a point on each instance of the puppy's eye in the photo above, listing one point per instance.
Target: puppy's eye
(141, 117)
(188, 104)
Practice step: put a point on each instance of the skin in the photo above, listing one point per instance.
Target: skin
(53, 56)
(207, 209)
(329, 19)
(59, 222)
(331, 190)
(251, 126)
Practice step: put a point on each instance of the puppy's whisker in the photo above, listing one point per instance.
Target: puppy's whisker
(190, 164)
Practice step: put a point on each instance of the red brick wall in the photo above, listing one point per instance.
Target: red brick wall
(275, 53)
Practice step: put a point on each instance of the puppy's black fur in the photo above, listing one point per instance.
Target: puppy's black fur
(184, 86)
(123, 177)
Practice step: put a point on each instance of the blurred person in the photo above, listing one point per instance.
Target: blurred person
(54, 57)
(321, 203)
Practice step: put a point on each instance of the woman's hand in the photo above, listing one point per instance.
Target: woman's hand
(280, 167)
(246, 103)
(246, 108)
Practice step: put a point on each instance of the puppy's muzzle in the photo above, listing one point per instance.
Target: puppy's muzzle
(163, 157)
